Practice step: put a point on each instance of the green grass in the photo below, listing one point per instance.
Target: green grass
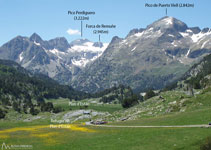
(120, 138)
(105, 138)
(115, 139)
(185, 118)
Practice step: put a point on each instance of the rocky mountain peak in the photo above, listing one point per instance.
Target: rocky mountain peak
(115, 39)
(205, 30)
(59, 43)
(167, 22)
(35, 38)
(98, 44)
(195, 30)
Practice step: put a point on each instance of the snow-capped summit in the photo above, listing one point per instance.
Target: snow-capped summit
(168, 23)
(168, 20)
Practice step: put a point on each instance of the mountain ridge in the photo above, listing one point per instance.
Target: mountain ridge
(56, 58)
(158, 54)
(150, 57)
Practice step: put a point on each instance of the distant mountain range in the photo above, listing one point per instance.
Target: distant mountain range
(150, 57)
(56, 58)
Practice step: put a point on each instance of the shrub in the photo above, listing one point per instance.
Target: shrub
(34, 111)
(129, 102)
(57, 109)
(47, 106)
(207, 144)
(149, 94)
(2, 114)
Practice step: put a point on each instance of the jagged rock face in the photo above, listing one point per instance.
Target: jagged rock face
(56, 58)
(202, 67)
(146, 58)
(59, 43)
(36, 38)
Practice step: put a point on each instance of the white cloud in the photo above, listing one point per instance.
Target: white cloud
(73, 32)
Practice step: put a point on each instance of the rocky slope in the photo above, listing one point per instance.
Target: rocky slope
(147, 58)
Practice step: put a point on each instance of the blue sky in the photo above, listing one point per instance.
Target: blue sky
(49, 18)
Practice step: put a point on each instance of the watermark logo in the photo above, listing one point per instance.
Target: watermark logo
(4, 146)
(15, 147)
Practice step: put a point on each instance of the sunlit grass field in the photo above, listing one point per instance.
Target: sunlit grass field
(79, 136)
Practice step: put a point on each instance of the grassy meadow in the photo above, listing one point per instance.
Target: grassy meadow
(79, 136)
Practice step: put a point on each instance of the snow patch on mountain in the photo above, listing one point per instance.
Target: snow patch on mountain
(188, 30)
(88, 47)
(79, 54)
(81, 62)
(196, 37)
(168, 21)
(56, 51)
(203, 45)
(184, 34)
(38, 44)
(139, 34)
(21, 56)
(133, 49)
(147, 34)
(87, 52)
(187, 53)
